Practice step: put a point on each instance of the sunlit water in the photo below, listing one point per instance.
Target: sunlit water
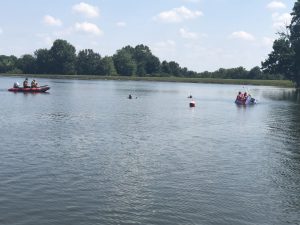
(86, 154)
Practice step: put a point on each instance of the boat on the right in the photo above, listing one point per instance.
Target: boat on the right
(248, 101)
(244, 99)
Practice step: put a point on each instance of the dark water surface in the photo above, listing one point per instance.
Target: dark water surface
(85, 154)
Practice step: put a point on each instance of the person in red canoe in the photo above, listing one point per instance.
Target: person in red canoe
(34, 84)
(240, 96)
(25, 83)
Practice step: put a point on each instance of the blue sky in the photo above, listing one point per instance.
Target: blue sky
(198, 34)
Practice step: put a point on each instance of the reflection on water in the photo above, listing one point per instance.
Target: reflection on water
(284, 131)
(283, 95)
(85, 154)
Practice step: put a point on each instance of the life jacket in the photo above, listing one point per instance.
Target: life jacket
(25, 83)
(240, 97)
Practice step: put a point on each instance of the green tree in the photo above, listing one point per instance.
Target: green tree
(124, 62)
(63, 57)
(88, 62)
(294, 29)
(140, 55)
(27, 64)
(184, 72)
(220, 73)
(191, 73)
(141, 52)
(107, 66)
(7, 63)
(255, 73)
(285, 57)
(141, 69)
(205, 74)
(146, 62)
(43, 61)
(165, 67)
(281, 59)
(174, 68)
(237, 73)
(152, 65)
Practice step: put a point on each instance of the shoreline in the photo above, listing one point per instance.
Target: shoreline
(277, 83)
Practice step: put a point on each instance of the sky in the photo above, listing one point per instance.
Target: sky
(202, 35)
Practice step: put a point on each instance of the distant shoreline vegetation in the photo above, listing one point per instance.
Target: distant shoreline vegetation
(136, 61)
(278, 83)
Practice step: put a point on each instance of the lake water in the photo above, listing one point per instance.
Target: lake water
(85, 154)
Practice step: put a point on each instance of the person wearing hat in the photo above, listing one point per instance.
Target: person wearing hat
(25, 83)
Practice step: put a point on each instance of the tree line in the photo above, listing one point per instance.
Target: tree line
(62, 58)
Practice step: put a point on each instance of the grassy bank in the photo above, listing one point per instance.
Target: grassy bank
(279, 83)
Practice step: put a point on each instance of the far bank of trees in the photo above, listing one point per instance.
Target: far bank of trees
(139, 61)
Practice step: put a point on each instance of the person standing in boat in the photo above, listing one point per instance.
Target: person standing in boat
(25, 83)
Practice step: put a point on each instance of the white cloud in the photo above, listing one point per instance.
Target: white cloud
(51, 21)
(86, 9)
(276, 5)
(242, 35)
(121, 24)
(89, 28)
(177, 15)
(188, 35)
(281, 20)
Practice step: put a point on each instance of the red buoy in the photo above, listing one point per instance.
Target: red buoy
(192, 103)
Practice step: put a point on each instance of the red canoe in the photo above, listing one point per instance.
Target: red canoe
(38, 89)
